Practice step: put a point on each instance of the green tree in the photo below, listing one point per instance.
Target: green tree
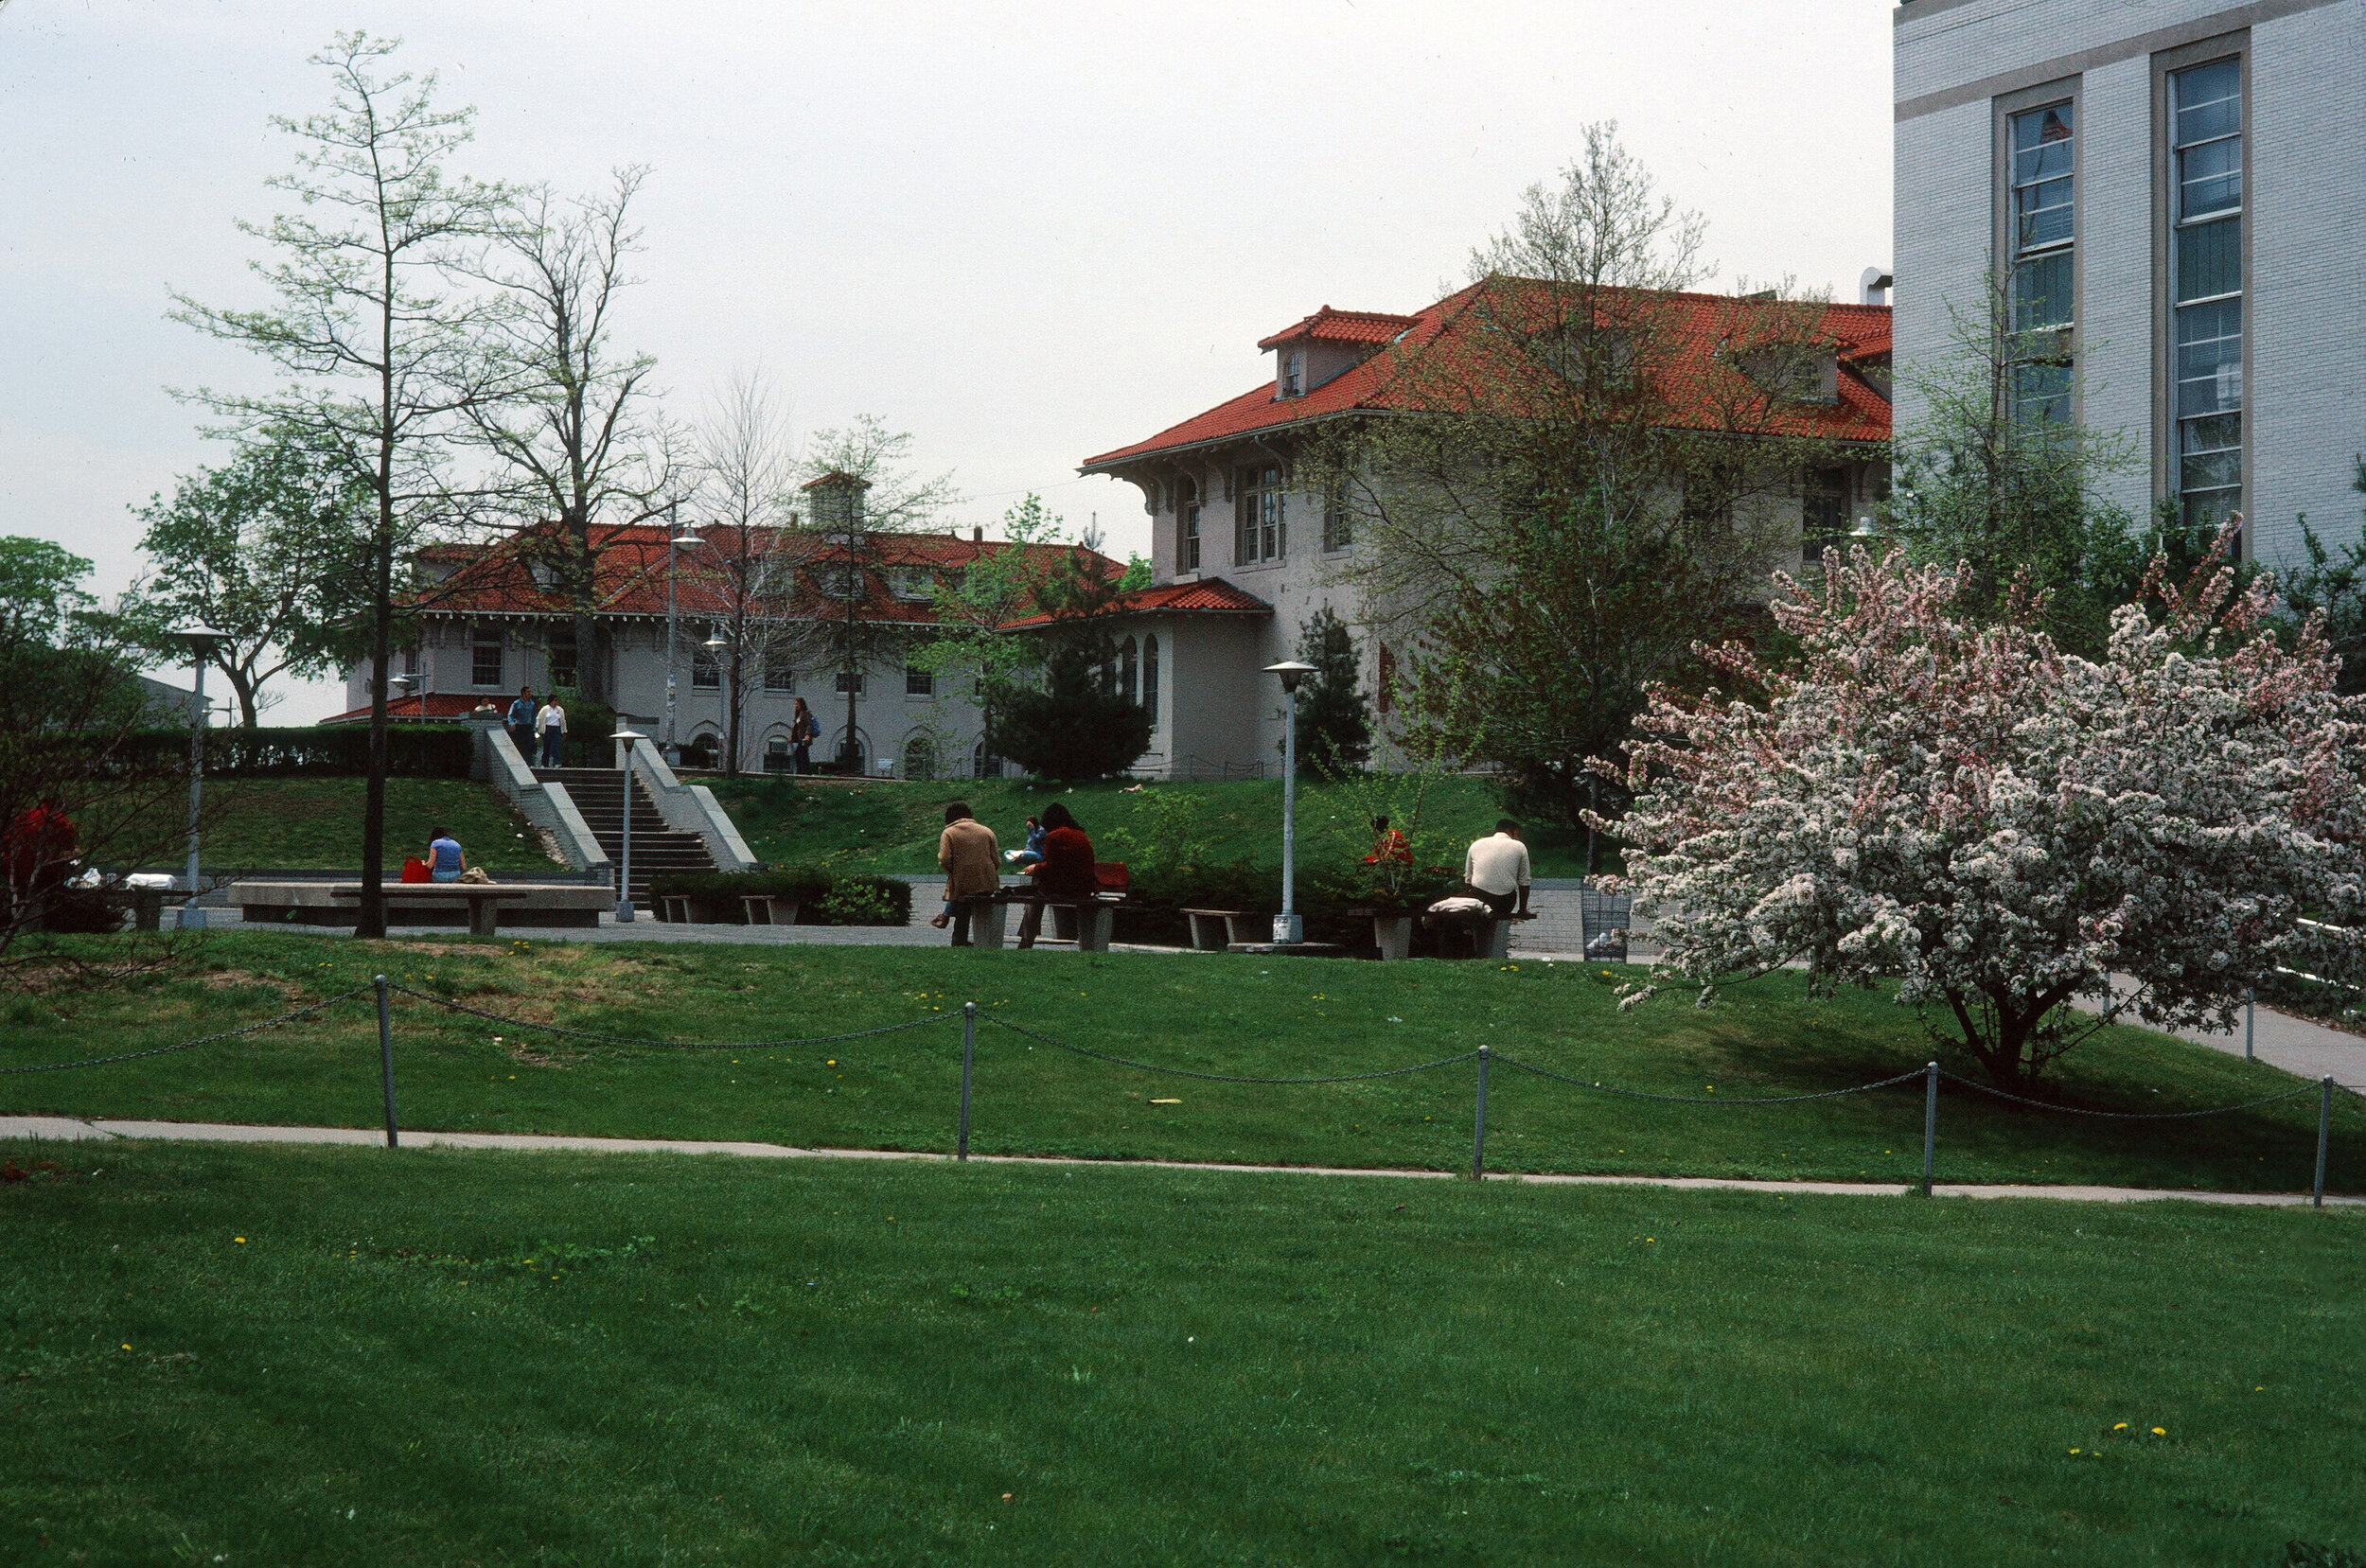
(1077, 725)
(1334, 718)
(1995, 478)
(997, 588)
(382, 355)
(41, 591)
(2335, 586)
(264, 548)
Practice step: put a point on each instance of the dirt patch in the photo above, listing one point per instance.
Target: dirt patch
(230, 980)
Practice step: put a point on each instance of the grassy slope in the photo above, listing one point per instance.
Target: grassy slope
(894, 826)
(316, 824)
(815, 1364)
(1267, 1017)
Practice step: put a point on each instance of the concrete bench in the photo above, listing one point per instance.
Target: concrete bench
(482, 907)
(1219, 931)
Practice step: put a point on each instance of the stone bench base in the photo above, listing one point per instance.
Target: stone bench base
(520, 904)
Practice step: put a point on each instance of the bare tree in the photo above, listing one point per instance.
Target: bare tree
(745, 569)
(862, 485)
(376, 342)
(578, 430)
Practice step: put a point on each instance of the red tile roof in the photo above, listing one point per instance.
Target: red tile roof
(1329, 325)
(440, 707)
(1208, 597)
(628, 576)
(1454, 333)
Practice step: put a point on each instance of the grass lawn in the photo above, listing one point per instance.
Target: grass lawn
(1211, 1013)
(316, 824)
(894, 827)
(305, 1355)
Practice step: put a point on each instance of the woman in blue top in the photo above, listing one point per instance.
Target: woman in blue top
(445, 861)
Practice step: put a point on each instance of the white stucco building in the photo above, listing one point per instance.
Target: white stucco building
(2175, 193)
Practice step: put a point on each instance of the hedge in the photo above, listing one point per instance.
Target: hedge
(341, 750)
(822, 898)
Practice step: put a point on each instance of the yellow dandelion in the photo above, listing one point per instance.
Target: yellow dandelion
(2160, 1432)
(2119, 1426)
(2073, 1451)
(240, 1240)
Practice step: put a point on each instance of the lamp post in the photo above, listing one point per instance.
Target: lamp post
(625, 736)
(1286, 925)
(201, 641)
(716, 648)
(675, 540)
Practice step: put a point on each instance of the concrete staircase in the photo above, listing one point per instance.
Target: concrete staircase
(657, 850)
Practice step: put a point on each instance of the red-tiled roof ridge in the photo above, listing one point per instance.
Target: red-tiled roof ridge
(1208, 597)
(1329, 325)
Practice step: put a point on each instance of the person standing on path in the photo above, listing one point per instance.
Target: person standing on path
(1497, 870)
(803, 729)
(520, 722)
(1067, 872)
(552, 724)
(967, 851)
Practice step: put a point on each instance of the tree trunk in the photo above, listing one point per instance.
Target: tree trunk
(373, 916)
(739, 703)
(243, 686)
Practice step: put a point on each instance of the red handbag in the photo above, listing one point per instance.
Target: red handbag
(414, 869)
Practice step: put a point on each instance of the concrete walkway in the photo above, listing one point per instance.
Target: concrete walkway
(2299, 1046)
(73, 1129)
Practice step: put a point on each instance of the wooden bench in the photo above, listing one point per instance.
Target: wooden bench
(484, 907)
(1086, 922)
(1218, 930)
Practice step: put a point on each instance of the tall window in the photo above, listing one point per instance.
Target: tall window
(837, 682)
(704, 671)
(1822, 513)
(1130, 677)
(919, 683)
(1338, 528)
(1150, 678)
(2042, 285)
(778, 675)
(1261, 527)
(560, 655)
(485, 657)
(1293, 373)
(2206, 146)
(1187, 524)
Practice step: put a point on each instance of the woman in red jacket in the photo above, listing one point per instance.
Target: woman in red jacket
(1067, 870)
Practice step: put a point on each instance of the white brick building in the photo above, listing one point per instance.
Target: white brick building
(2175, 191)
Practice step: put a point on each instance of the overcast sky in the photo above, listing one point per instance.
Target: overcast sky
(1025, 232)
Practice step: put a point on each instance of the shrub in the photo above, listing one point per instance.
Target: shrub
(863, 900)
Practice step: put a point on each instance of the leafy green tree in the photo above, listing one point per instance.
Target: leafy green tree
(265, 549)
(1334, 717)
(993, 589)
(381, 353)
(2337, 586)
(1136, 573)
(1996, 479)
(1077, 725)
(41, 590)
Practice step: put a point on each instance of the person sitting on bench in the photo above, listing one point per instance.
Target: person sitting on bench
(1497, 870)
(446, 862)
(1066, 874)
(966, 850)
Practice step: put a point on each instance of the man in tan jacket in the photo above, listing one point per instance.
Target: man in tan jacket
(972, 861)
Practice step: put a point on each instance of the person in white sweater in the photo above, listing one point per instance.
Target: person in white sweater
(1497, 870)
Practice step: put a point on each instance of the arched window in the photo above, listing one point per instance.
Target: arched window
(1130, 677)
(1150, 678)
(920, 758)
(981, 765)
(777, 757)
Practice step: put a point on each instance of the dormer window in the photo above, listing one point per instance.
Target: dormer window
(545, 574)
(1292, 372)
(914, 582)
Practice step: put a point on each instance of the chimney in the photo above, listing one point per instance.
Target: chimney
(1873, 287)
(977, 535)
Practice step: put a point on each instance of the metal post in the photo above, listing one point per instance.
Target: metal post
(191, 916)
(1287, 928)
(673, 752)
(386, 1060)
(623, 881)
(1478, 1124)
(1930, 1121)
(2248, 1010)
(969, 1048)
(2324, 1131)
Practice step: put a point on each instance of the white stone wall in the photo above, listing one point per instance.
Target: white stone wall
(2306, 216)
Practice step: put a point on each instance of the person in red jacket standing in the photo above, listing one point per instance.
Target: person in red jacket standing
(1067, 870)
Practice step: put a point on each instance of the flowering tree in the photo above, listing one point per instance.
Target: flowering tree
(1999, 826)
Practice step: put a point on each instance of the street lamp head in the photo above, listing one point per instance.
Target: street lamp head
(714, 643)
(626, 734)
(1291, 672)
(200, 639)
(1865, 529)
(684, 541)
(404, 681)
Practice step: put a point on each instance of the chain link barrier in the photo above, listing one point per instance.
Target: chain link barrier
(1703, 1100)
(1224, 1077)
(202, 1040)
(2123, 1116)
